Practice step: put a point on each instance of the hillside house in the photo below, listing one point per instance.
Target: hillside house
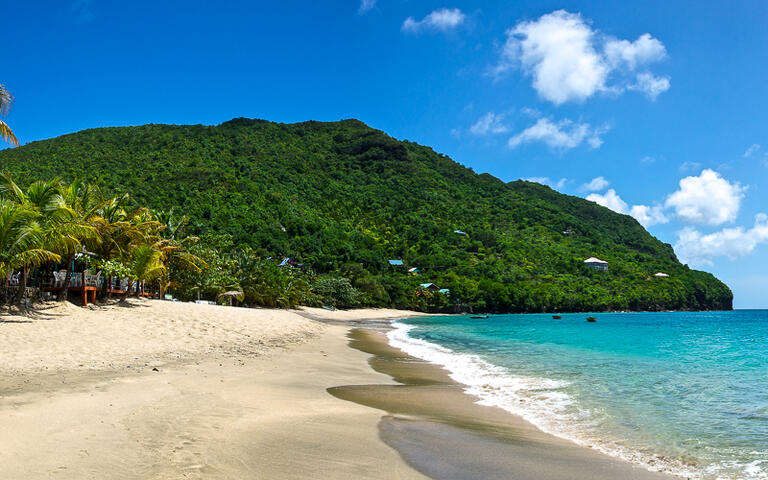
(596, 264)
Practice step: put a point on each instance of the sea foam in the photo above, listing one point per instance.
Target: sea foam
(540, 401)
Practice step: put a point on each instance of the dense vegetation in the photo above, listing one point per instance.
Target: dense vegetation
(342, 199)
(49, 225)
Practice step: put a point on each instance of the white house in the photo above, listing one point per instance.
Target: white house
(596, 263)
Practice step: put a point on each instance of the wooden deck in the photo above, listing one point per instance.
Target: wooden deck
(86, 292)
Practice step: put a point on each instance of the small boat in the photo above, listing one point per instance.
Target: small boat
(557, 317)
(479, 316)
(591, 319)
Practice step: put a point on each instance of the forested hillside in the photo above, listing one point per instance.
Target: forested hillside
(342, 199)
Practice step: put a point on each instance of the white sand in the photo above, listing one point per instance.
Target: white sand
(237, 394)
(67, 337)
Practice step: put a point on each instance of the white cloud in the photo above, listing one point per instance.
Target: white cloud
(546, 181)
(648, 216)
(647, 160)
(557, 51)
(442, 19)
(596, 184)
(650, 84)
(645, 49)
(563, 135)
(707, 199)
(751, 150)
(569, 61)
(645, 215)
(366, 5)
(696, 249)
(609, 199)
(490, 123)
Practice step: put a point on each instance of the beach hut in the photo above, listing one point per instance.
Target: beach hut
(396, 263)
(660, 275)
(414, 271)
(596, 263)
(460, 232)
(232, 294)
(445, 291)
(430, 286)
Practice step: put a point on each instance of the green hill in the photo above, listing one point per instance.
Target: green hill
(343, 197)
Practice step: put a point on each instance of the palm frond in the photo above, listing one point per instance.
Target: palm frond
(7, 134)
(10, 189)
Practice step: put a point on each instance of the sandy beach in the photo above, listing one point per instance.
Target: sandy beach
(164, 390)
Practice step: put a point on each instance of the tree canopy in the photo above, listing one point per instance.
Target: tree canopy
(342, 199)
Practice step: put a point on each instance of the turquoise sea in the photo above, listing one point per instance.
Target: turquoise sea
(685, 393)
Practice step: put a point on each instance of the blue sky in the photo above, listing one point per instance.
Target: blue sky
(656, 109)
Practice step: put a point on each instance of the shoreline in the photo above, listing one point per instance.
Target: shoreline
(164, 390)
(440, 430)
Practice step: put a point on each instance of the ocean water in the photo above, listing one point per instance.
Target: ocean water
(685, 393)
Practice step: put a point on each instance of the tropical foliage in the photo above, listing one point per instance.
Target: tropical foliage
(49, 224)
(342, 199)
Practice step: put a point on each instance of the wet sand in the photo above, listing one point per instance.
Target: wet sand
(161, 390)
(441, 432)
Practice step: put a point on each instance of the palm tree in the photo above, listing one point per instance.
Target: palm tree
(120, 231)
(74, 223)
(22, 242)
(111, 223)
(175, 246)
(145, 263)
(6, 99)
(63, 215)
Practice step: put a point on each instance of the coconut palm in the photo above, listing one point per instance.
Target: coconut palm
(112, 222)
(73, 222)
(175, 245)
(145, 264)
(49, 221)
(22, 242)
(114, 238)
(6, 99)
(119, 229)
(64, 215)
